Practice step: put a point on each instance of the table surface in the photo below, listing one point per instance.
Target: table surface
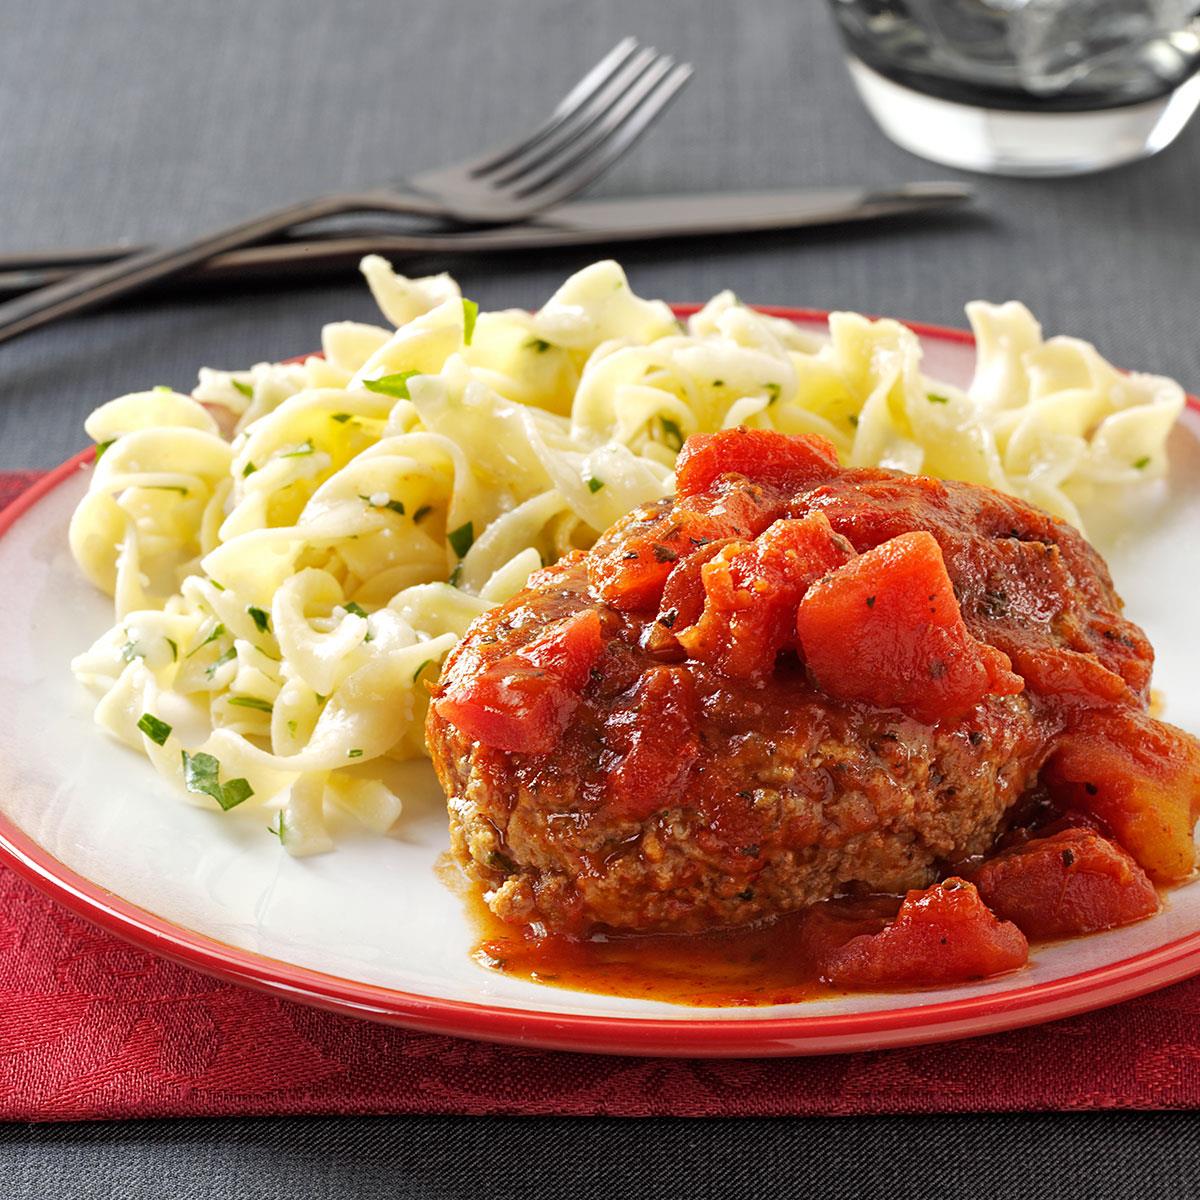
(134, 120)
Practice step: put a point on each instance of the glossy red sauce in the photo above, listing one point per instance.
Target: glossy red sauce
(778, 598)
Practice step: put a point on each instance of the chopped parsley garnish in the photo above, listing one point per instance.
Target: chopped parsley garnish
(305, 447)
(163, 387)
(248, 469)
(718, 383)
(355, 608)
(423, 511)
(538, 345)
(291, 728)
(396, 506)
(455, 576)
(218, 630)
(277, 826)
(417, 672)
(165, 487)
(217, 664)
(247, 389)
(594, 484)
(202, 775)
(252, 702)
(853, 420)
(1142, 463)
(101, 447)
(673, 433)
(462, 539)
(395, 386)
(470, 313)
(934, 398)
(157, 731)
(174, 648)
(773, 390)
(354, 754)
(260, 618)
(341, 418)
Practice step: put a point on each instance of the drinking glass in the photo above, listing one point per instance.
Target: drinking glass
(1026, 87)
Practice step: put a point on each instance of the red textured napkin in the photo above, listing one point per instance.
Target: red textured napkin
(91, 1027)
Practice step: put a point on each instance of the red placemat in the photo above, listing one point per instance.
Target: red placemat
(91, 1027)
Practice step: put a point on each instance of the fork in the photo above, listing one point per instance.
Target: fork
(598, 120)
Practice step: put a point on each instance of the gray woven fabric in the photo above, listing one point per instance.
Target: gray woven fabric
(1111, 1156)
(136, 119)
(152, 119)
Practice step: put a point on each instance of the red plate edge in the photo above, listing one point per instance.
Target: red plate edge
(729, 1037)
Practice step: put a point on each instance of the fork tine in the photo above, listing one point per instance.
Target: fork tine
(624, 129)
(639, 67)
(575, 99)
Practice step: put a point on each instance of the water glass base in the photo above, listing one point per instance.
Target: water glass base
(1009, 142)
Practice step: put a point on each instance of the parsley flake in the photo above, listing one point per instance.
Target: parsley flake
(218, 663)
(101, 447)
(538, 345)
(247, 389)
(375, 501)
(202, 775)
(594, 484)
(673, 433)
(462, 539)
(395, 386)
(773, 391)
(421, 512)
(355, 608)
(934, 398)
(305, 447)
(157, 731)
(248, 469)
(340, 418)
(1142, 463)
(252, 702)
(174, 648)
(470, 313)
(417, 673)
(218, 630)
(354, 754)
(261, 619)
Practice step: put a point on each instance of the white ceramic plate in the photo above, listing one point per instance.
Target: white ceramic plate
(370, 929)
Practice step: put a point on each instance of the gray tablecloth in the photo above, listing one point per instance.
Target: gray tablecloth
(152, 119)
(135, 119)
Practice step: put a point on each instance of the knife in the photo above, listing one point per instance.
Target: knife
(581, 223)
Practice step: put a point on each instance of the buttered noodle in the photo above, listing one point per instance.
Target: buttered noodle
(293, 549)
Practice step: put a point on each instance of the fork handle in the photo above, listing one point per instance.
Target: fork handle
(86, 289)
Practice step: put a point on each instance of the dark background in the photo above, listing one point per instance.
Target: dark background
(153, 119)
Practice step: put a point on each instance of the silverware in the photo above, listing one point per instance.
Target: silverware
(593, 125)
(575, 224)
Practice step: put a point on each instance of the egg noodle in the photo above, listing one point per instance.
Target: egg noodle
(294, 548)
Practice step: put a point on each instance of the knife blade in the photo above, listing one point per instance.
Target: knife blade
(580, 223)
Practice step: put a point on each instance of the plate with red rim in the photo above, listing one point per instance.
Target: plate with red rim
(371, 930)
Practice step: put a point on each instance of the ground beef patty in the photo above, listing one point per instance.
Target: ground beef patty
(788, 681)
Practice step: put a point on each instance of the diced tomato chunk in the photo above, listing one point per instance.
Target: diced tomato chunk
(631, 574)
(521, 702)
(886, 629)
(683, 594)
(1075, 881)
(654, 744)
(751, 593)
(945, 934)
(788, 463)
(1141, 778)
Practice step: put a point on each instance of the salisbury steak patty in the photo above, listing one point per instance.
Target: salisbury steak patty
(788, 681)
